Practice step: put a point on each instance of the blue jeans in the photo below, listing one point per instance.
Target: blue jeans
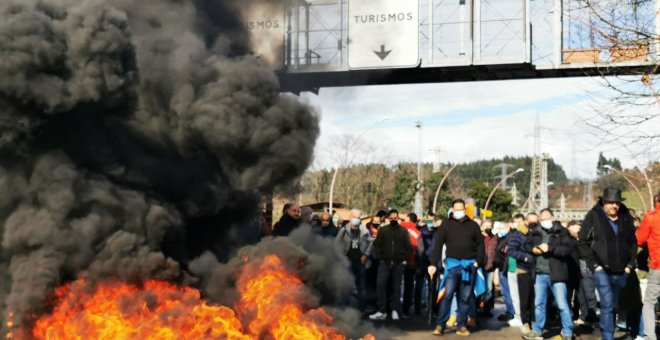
(463, 290)
(506, 293)
(609, 288)
(560, 292)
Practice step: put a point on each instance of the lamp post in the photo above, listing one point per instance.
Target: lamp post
(344, 160)
(641, 198)
(500, 183)
(442, 181)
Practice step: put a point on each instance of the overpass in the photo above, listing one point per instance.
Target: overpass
(325, 43)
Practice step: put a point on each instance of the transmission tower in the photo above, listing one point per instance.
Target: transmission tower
(514, 194)
(504, 167)
(538, 182)
(436, 160)
(588, 194)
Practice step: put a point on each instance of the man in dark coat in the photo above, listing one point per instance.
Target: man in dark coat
(392, 247)
(465, 253)
(608, 245)
(552, 247)
(290, 220)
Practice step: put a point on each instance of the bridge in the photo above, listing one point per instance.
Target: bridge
(319, 43)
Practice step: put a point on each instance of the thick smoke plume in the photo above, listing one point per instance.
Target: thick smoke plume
(133, 134)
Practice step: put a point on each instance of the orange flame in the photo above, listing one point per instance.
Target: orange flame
(269, 306)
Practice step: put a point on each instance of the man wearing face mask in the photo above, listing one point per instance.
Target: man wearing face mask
(608, 245)
(552, 247)
(465, 252)
(353, 241)
(393, 247)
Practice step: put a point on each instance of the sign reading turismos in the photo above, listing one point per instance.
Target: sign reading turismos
(264, 22)
(383, 33)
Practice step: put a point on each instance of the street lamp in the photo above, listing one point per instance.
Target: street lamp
(641, 198)
(442, 181)
(500, 183)
(345, 160)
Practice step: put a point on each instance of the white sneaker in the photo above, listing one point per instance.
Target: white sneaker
(378, 316)
(515, 322)
(395, 315)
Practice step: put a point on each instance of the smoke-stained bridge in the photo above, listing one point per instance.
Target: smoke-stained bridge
(319, 43)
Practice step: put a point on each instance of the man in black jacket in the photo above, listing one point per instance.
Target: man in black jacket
(552, 247)
(608, 245)
(392, 247)
(290, 220)
(465, 252)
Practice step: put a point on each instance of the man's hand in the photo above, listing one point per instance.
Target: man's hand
(476, 264)
(363, 259)
(627, 270)
(432, 270)
(599, 268)
(544, 247)
(537, 251)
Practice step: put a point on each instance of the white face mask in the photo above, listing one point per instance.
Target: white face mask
(459, 214)
(547, 224)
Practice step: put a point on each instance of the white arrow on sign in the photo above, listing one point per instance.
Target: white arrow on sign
(383, 33)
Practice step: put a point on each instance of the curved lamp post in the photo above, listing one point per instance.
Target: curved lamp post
(442, 181)
(641, 198)
(500, 183)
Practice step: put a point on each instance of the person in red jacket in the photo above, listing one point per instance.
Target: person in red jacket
(648, 235)
(411, 270)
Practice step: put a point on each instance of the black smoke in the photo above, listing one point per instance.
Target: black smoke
(133, 135)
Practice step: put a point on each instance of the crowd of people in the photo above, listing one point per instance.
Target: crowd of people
(603, 270)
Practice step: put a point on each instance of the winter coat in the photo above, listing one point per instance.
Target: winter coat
(501, 259)
(392, 244)
(491, 244)
(285, 225)
(516, 249)
(599, 246)
(343, 240)
(560, 249)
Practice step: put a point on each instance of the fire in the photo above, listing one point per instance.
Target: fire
(268, 307)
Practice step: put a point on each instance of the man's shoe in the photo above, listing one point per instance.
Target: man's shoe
(472, 322)
(533, 336)
(504, 317)
(525, 329)
(378, 316)
(462, 331)
(515, 322)
(395, 315)
(438, 330)
(579, 322)
(451, 322)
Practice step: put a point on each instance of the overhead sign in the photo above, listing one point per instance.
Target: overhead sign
(383, 33)
(264, 21)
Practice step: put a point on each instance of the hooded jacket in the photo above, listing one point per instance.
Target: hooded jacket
(600, 246)
(560, 250)
(516, 249)
(343, 240)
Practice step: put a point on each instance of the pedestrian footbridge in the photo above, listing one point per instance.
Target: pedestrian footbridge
(319, 43)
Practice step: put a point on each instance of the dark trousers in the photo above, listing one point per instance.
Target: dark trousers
(389, 272)
(412, 289)
(371, 283)
(359, 273)
(587, 299)
(526, 292)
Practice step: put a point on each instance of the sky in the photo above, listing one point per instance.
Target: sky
(466, 121)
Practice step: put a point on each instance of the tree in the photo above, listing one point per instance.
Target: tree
(625, 31)
(500, 203)
(404, 188)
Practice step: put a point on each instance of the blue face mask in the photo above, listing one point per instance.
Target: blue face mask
(459, 214)
(547, 224)
(355, 223)
(502, 233)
